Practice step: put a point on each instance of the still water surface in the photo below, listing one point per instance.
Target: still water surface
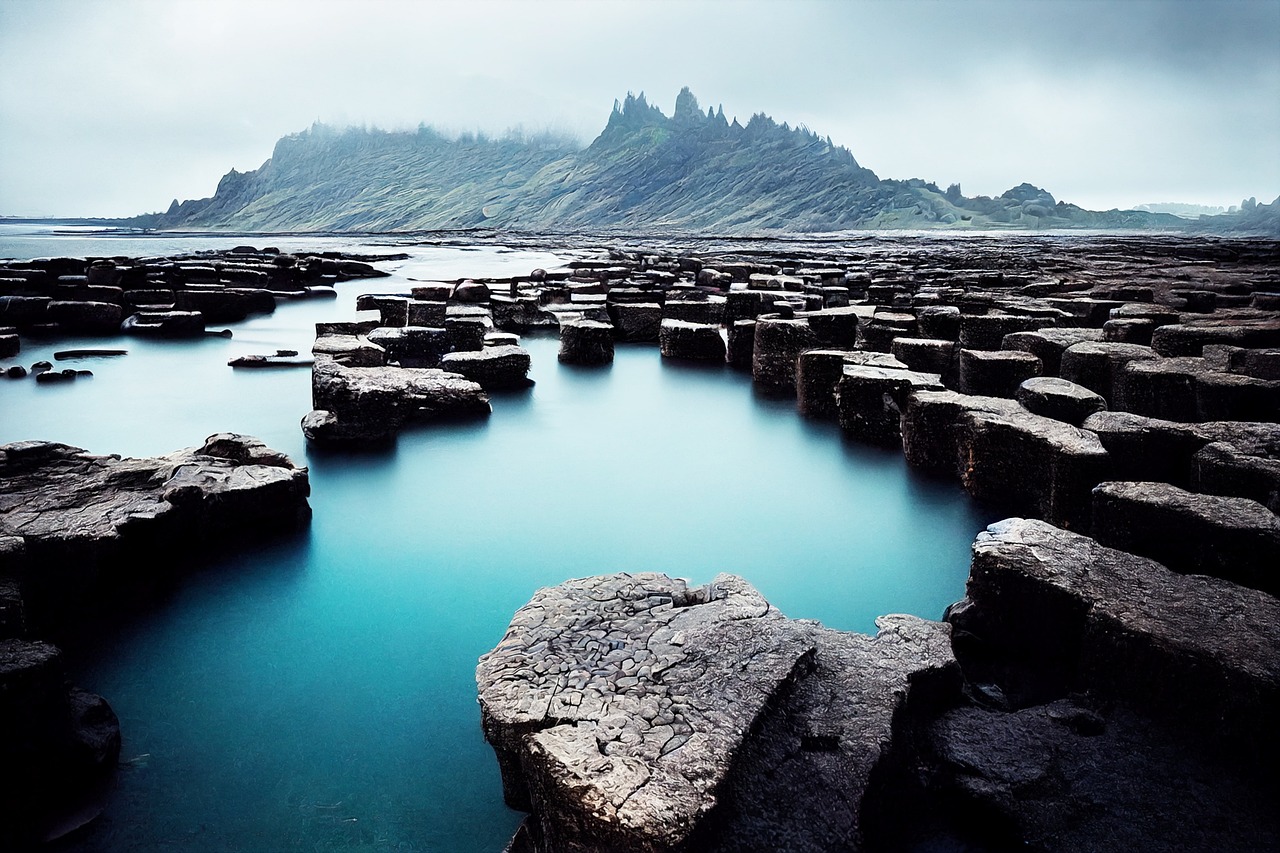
(318, 694)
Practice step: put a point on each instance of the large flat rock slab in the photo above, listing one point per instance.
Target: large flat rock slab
(631, 712)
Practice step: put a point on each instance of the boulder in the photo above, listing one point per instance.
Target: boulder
(699, 341)
(426, 313)
(410, 346)
(636, 321)
(740, 344)
(586, 342)
(10, 343)
(164, 324)
(1059, 399)
(471, 292)
(492, 368)
(1226, 537)
(357, 405)
(995, 373)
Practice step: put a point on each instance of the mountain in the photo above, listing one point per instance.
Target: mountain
(691, 171)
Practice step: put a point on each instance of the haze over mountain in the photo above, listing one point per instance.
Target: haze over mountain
(692, 171)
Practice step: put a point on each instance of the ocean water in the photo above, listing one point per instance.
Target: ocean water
(318, 693)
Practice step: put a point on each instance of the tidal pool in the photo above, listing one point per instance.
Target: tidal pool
(318, 693)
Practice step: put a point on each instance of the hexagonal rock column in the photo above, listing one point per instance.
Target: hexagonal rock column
(586, 342)
(698, 341)
(778, 344)
(1048, 345)
(931, 425)
(996, 373)
(870, 400)
(1097, 366)
(623, 709)
(1233, 538)
(636, 321)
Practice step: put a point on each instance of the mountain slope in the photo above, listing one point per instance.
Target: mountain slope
(691, 171)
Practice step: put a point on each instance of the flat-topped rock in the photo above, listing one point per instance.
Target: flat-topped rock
(492, 368)
(931, 425)
(86, 519)
(1060, 399)
(371, 404)
(411, 346)
(778, 344)
(1097, 365)
(691, 340)
(586, 342)
(870, 400)
(349, 350)
(996, 373)
(1199, 649)
(1048, 345)
(617, 704)
(631, 712)
(1227, 537)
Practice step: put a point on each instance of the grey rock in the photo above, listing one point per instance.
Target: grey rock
(740, 344)
(698, 341)
(870, 400)
(778, 344)
(995, 373)
(349, 350)
(1097, 366)
(586, 342)
(1048, 345)
(1059, 399)
(164, 324)
(493, 368)
(987, 331)
(932, 423)
(410, 346)
(1226, 537)
(636, 321)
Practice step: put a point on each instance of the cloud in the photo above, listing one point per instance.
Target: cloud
(115, 108)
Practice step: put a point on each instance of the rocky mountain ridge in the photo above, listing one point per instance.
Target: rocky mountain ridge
(694, 171)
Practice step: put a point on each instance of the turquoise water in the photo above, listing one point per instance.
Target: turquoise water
(318, 694)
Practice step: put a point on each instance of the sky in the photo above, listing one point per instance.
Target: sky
(116, 107)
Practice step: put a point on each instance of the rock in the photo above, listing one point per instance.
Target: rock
(1059, 399)
(1227, 396)
(939, 322)
(1072, 615)
(1163, 388)
(492, 368)
(471, 292)
(85, 317)
(225, 305)
(1227, 537)
(1188, 339)
(624, 718)
(1128, 331)
(466, 333)
(94, 524)
(23, 311)
(740, 346)
(995, 373)
(693, 311)
(370, 404)
(777, 346)
(636, 321)
(928, 355)
(586, 342)
(1097, 366)
(870, 400)
(426, 313)
(16, 371)
(164, 324)
(698, 341)
(1048, 345)
(1039, 465)
(56, 742)
(411, 346)
(931, 424)
(1078, 775)
(349, 350)
(10, 344)
(262, 361)
(818, 372)
(835, 327)
(987, 331)
(1229, 466)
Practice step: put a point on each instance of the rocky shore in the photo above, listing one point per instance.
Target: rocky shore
(1109, 678)
(80, 533)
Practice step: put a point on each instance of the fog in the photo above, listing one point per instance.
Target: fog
(115, 108)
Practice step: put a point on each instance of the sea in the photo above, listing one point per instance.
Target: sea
(317, 692)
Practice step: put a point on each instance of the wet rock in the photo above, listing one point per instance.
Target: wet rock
(740, 345)
(472, 292)
(22, 311)
(349, 349)
(16, 371)
(1059, 399)
(492, 368)
(85, 317)
(995, 373)
(987, 331)
(164, 324)
(10, 343)
(699, 341)
(931, 424)
(1044, 466)
(940, 322)
(870, 400)
(359, 405)
(1226, 537)
(1189, 339)
(776, 349)
(586, 342)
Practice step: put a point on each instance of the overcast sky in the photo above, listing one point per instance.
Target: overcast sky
(115, 107)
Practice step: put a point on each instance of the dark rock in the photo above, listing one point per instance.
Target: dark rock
(1059, 399)
(928, 355)
(16, 371)
(520, 315)
(740, 346)
(10, 345)
(164, 324)
(411, 346)
(636, 321)
(870, 400)
(987, 331)
(264, 361)
(1045, 467)
(1128, 331)
(1162, 388)
(355, 405)
(586, 342)
(349, 350)
(931, 424)
(776, 349)
(941, 322)
(85, 317)
(995, 373)
(422, 312)
(1097, 366)
(472, 292)
(700, 341)
(1188, 339)
(835, 327)
(492, 368)
(818, 372)
(1048, 345)
(1226, 537)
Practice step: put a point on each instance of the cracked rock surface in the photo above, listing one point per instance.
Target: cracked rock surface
(623, 709)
